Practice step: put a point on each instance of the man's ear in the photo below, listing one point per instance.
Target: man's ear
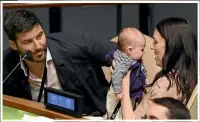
(13, 45)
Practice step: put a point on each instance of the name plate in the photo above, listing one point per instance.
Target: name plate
(64, 102)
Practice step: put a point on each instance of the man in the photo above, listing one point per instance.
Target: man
(159, 109)
(166, 108)
(73, 62)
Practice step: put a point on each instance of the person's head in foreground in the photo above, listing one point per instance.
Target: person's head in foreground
(166, 108)
(131, 42)
(175, 48)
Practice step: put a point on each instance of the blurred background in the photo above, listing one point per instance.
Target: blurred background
(105, 21)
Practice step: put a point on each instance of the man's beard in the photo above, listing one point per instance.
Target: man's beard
(34, 59)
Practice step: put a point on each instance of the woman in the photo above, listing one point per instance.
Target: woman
(175, 48)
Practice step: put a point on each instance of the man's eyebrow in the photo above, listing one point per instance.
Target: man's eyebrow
(41, 32)
(26, 40)
(152, 117)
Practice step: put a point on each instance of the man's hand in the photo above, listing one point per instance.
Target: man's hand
(105, 116)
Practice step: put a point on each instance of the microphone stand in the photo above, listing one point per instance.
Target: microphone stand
(14, 68)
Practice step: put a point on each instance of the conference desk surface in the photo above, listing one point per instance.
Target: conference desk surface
(34, 107)
(10, 113)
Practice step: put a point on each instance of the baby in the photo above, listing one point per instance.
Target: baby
(128, 56)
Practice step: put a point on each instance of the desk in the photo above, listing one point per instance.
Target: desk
(38, 109)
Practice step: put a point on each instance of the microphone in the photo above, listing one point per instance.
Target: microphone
(27, 55)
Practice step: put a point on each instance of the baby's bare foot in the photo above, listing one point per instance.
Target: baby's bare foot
(119, 96)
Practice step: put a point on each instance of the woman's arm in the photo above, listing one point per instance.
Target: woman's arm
(126, 106)
(158, 90)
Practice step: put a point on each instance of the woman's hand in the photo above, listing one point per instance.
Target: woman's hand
(127, 111)
(126, 83)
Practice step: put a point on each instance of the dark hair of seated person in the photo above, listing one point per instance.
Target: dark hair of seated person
(176, 109)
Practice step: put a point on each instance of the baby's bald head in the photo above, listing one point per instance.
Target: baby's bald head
(130, 37)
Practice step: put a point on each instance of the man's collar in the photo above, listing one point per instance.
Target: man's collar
(48, 57)
(23, 67)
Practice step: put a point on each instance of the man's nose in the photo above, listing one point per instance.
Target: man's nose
(37, 45)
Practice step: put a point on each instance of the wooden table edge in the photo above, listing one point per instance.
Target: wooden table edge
(34, 107)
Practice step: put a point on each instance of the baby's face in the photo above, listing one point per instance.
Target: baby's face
(137, 50)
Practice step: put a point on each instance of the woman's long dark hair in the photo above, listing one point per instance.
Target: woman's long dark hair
(180, 58)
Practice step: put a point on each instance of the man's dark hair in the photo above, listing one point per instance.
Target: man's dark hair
(176, 109)
(19, 21)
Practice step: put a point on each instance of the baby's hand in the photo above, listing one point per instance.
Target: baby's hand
(119, 95)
